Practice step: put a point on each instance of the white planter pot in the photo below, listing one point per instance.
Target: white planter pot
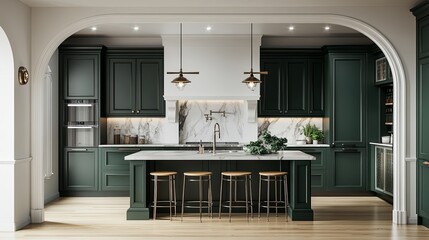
(308, 139)
(315, 141)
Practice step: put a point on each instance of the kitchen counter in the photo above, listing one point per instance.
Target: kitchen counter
(220, 155)
(381, 144)
(296, 163)
(207, 146)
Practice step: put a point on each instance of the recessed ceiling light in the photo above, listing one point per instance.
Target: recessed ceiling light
(136, 28)
(327, 28)
(291, 28)
(208, 28)
(94, 28)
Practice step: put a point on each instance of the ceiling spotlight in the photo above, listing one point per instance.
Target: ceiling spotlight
(291, 28)
(208, 28)
(94, 28)
(327, 28)
(136, 28)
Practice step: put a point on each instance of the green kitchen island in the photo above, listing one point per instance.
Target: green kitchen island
(296, 163)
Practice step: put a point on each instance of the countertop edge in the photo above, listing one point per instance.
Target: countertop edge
(381, 144)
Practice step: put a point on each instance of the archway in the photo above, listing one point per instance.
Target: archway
(399, 207)
(7, 162)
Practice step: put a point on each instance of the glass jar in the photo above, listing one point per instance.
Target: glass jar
(126, 139)
(133, 139)
(117, 136)
(142, 139)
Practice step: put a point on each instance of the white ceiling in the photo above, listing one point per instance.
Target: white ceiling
(216, 3)
(265, 29)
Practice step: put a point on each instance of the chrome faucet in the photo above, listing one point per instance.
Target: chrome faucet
(216, 129)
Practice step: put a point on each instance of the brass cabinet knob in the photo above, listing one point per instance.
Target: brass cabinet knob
(132, 111)
(138, 111)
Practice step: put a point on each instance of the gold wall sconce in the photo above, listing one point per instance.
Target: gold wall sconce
(23, 75)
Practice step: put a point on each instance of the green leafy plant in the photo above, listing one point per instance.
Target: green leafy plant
(308, 129)
(317, 134)
(266, 144)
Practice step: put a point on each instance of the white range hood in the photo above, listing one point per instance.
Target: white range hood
(221, 61)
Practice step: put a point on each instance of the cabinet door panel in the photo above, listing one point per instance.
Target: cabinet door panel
(347, 171)
(423, 186)
(80, 170)
(121, 86)
(80, 76)
(271, 100)
(423, 109)
(316, 85)
(150, 87)
(348, 101)
(423, 38)
(296, 87)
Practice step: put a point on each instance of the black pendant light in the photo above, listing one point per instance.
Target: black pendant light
(252, 81)
(181, 81)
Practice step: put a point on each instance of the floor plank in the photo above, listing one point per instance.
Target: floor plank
(104, 218)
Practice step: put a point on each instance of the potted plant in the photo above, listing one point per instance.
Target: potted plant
(317, 135)
(308, 130)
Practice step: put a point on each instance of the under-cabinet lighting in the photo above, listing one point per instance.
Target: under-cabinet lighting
(80, 127)
(79, 105)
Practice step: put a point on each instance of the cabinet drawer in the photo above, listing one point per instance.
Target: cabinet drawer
(115, 181)
(113, 159)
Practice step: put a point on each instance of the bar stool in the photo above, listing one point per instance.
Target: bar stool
(199, 177)
(268, 178)
(163, 177)
(234, 177)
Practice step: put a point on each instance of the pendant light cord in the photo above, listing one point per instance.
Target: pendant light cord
(251, 47)
(181, 47)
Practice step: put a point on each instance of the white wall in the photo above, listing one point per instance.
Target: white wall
(51, 184)
(396, 23)
(15, 121)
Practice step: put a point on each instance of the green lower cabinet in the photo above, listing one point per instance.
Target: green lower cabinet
(422, 191)
(114, 170)
(80, 168)
(347, 171)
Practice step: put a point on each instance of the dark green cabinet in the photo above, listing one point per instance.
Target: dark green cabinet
(135, 84)
(347, 170)
(346, 99)
(80, 169)
(114, 170)
(80, 71)
(293, 86)
(422, 16)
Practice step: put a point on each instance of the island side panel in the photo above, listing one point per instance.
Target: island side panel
(300, 192)
(138, 209)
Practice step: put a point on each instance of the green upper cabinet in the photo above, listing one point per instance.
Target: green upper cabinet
(80, 71)
(346, 97)
(294, 84)
(423, 109)
(135, 83)
(423, 37)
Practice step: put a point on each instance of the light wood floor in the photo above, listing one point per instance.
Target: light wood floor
(104, 218)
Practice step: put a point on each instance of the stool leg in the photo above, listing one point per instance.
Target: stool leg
(246, 183)
(200, 191)
(174, 195)
(286, 196)
(268, 199)
(155, 190)
(235, 189)
(210, 198)
(275, 194)
(230, 197)
(251, 198)
(183, 197)
(259, 201)
(170, 194)
(220, 196)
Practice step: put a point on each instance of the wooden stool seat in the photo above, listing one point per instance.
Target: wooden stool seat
(236, 174)
(163, 173)
(197, 174)
(272, 173)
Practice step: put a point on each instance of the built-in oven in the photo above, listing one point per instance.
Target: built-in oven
(81, 122)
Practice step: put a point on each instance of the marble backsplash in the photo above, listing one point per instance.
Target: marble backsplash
(194, 127)
(152, 128)
(290, 128)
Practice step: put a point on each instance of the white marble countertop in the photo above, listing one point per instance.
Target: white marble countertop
(381, 144)
(220, 155)
(206, 146)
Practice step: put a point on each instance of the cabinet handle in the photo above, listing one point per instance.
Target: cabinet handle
(132, 111)
(311, 111)
(349, 150)
(138, 111)
(348, 145)
(79, 149)
(426, 163)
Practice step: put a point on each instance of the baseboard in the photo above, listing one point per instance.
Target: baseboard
(51, 198)
(12, 227)
(413, 220)
(22, 224)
